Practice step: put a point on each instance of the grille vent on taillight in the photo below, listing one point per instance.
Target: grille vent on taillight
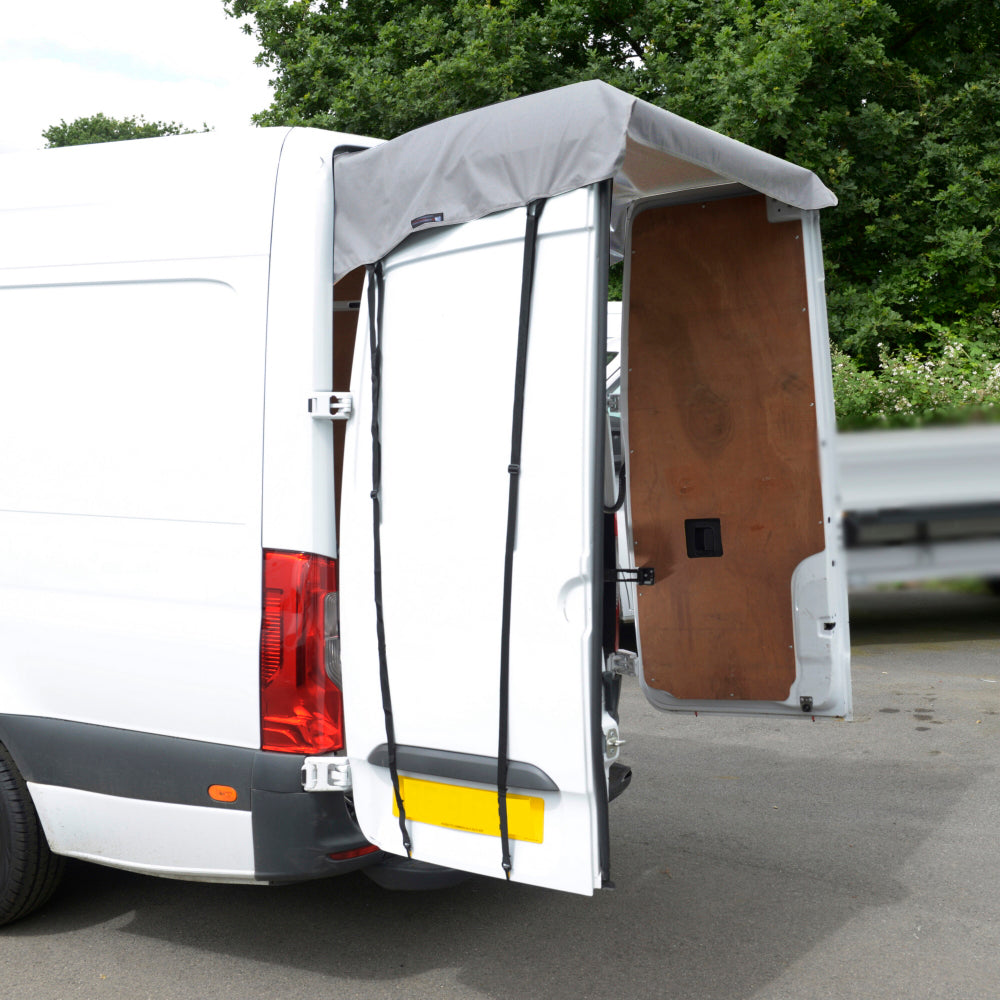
(270, 635)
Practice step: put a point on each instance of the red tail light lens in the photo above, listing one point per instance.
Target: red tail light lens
(301, 708)
(358, 852)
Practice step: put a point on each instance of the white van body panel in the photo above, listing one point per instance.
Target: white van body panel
(298, 449)
(449, 341)
(160, 324)
(143, 470)
(121, 298)
(139, 285)
(919, 467)
(156, 838)
(173, 198)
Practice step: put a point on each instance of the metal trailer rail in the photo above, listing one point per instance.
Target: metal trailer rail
(921, 503)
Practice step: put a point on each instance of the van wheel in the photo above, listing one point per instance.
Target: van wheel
(29, 871)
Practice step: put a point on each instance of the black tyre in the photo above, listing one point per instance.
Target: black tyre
(29, 871)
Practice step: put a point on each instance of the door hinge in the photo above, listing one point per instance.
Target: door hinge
(778, 211)
(326, 774)
(331, 405)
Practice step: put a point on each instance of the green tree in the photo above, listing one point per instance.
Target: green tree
(383, 67)
(894, 103)
(101, 128)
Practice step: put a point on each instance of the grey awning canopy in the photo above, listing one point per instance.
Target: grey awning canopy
(509, 154)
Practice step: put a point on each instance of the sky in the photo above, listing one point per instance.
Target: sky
(182, 61)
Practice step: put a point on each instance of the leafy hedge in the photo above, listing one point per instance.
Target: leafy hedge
(956, 380)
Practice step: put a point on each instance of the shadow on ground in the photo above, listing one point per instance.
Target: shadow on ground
(726, 876)
(922, 615)
(741, 849)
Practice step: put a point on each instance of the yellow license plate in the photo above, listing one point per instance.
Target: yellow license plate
(474, 810)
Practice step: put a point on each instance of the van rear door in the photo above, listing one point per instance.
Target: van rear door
(447, 326)
(728, 414)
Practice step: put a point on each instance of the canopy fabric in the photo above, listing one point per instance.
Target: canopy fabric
(509, 154)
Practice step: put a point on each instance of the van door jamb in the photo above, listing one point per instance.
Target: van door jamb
(600, 307)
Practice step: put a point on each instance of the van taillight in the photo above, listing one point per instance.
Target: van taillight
(301, 708)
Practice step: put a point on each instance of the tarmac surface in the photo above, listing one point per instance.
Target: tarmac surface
(763, 859)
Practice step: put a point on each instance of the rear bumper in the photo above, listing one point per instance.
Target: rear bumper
(297, 834)
(110, 793)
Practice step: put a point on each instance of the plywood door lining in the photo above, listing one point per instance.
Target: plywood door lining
(721, 425)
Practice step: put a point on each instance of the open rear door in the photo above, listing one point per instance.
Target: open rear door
(728, 413)
(447, 328)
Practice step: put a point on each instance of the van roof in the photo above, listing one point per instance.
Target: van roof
(509, 154)
(208, 194)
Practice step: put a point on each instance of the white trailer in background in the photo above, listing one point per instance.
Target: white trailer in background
(921, 503)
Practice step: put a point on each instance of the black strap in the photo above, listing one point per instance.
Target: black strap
(376, 282)
(514, 470)
(621, 493)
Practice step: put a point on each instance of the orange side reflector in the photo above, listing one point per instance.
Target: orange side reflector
(222, 793)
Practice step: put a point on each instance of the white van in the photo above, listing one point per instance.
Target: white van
(226, 523)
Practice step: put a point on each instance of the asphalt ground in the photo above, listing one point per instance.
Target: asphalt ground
(753, 859)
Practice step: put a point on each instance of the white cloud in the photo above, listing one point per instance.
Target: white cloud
(63, 59)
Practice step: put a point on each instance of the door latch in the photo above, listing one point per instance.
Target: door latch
(331, 405)
(612, 741)
(622, 661)
(645, 576)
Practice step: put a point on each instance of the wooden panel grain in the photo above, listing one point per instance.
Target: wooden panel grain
(721, 425)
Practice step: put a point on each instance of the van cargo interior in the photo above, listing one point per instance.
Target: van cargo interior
(345, 330)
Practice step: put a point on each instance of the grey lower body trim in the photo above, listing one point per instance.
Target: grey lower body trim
(463, 767)
(294, 832)
(130, 764)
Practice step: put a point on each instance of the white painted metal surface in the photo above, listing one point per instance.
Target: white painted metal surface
(174, 198)
(298, 497)
(613, 375)
(143, 285)
(451, 320)
(157, 838)
(130, 577)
